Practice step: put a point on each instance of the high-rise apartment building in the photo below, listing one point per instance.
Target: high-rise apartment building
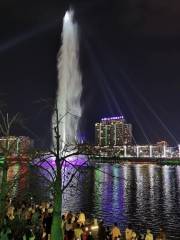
(113, 131)
(15, 145)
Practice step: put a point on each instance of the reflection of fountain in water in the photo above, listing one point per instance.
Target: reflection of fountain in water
(47, 169)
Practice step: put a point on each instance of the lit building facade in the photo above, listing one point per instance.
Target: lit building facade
(113, 131)
(16, 145)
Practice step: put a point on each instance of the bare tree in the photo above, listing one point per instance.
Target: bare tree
(59, 171)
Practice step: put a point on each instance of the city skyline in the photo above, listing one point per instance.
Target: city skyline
(129, 63)
(89, 119)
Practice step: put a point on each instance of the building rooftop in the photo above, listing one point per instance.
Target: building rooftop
(112, 118)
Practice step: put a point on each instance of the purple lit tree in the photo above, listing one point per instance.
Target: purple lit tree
(61, 164)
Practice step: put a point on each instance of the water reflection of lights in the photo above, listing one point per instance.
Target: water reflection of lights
(178, 181)
(152, 170)
(106, 192)
(126, 187)
(68, 196)
(152, 178)
(139, 181)
(178, 176)
(145, 192)
(138, 172)
(167, 189)
(98, 187)
(118, 197)
(139, 184)
(166, 181)
(125, 171)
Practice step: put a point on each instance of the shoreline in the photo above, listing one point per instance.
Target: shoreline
(132, 160)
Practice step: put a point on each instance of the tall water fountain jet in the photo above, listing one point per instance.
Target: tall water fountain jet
(69, 80)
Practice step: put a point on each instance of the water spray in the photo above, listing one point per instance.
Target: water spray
(69, 81)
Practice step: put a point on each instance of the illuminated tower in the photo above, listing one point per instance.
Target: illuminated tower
(113, 131)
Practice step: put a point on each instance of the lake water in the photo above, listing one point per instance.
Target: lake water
(145, 195)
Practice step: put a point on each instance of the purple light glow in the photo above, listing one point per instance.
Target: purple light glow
(79, 160)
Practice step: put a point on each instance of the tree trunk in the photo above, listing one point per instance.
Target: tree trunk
(3, 194)
(56, 229)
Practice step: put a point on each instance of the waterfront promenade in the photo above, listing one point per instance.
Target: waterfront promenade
(32, 221)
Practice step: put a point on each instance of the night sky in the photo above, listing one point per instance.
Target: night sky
(129, 58)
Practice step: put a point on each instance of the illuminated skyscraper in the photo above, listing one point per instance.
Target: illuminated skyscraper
(113, 131)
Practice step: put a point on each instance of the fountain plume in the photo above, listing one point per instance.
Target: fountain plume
(69, 80)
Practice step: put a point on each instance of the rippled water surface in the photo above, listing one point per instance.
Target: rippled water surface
(146, 195)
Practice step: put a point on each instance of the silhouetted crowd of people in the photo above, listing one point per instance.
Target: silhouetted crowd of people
(33, 222)
(115, 233)
(27, 221)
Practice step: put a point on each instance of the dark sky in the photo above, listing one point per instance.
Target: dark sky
(130, 61)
